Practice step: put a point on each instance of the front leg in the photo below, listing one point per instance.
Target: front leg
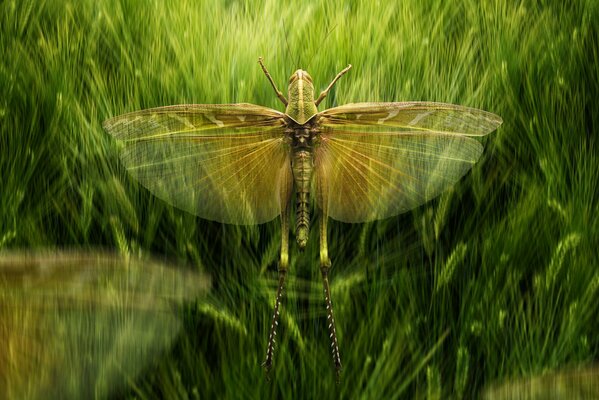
(272, 82)
(325, 92)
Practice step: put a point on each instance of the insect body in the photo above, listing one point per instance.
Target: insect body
(302, 165)
(243, 163)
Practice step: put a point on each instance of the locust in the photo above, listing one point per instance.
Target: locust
(247, 164)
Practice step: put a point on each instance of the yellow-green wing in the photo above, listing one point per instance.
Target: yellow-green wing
(376, 160)
(220, 162)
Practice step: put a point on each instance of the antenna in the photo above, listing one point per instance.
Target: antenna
(287, 44)
(323, 40)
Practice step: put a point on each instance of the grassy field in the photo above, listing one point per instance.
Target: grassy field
(496, 280)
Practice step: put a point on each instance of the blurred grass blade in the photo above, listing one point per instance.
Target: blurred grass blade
(81, 325)
(562, 385)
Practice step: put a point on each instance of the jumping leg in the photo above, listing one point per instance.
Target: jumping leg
(283, 265)
(325, 265)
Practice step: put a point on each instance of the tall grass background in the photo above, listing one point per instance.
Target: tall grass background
(496, 279)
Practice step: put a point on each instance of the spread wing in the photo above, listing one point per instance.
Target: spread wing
(220, 162)
(376, 160)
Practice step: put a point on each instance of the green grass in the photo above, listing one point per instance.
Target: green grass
(497, 279)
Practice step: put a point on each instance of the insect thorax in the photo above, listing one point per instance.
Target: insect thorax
(300, 106)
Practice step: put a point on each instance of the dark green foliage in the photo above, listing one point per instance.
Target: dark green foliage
(497, 279)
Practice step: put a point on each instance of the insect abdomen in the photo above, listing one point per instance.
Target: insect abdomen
(302, 173)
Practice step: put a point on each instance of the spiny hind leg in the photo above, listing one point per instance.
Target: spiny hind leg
(283, 265)
(325, 265)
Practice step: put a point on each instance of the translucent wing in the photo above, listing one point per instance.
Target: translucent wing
(376, 160)
(220, 162)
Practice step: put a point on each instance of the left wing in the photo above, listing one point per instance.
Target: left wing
(221, 162)
(376, 160)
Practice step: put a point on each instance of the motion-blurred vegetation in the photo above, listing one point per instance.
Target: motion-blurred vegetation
(495, 280)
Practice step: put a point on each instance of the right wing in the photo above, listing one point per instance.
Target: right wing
(377, 160)
(221, 162)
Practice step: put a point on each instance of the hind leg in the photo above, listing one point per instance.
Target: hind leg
(325, 265)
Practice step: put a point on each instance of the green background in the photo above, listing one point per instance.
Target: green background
(495, 280)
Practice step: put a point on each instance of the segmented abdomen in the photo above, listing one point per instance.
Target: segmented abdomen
(302, 166)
